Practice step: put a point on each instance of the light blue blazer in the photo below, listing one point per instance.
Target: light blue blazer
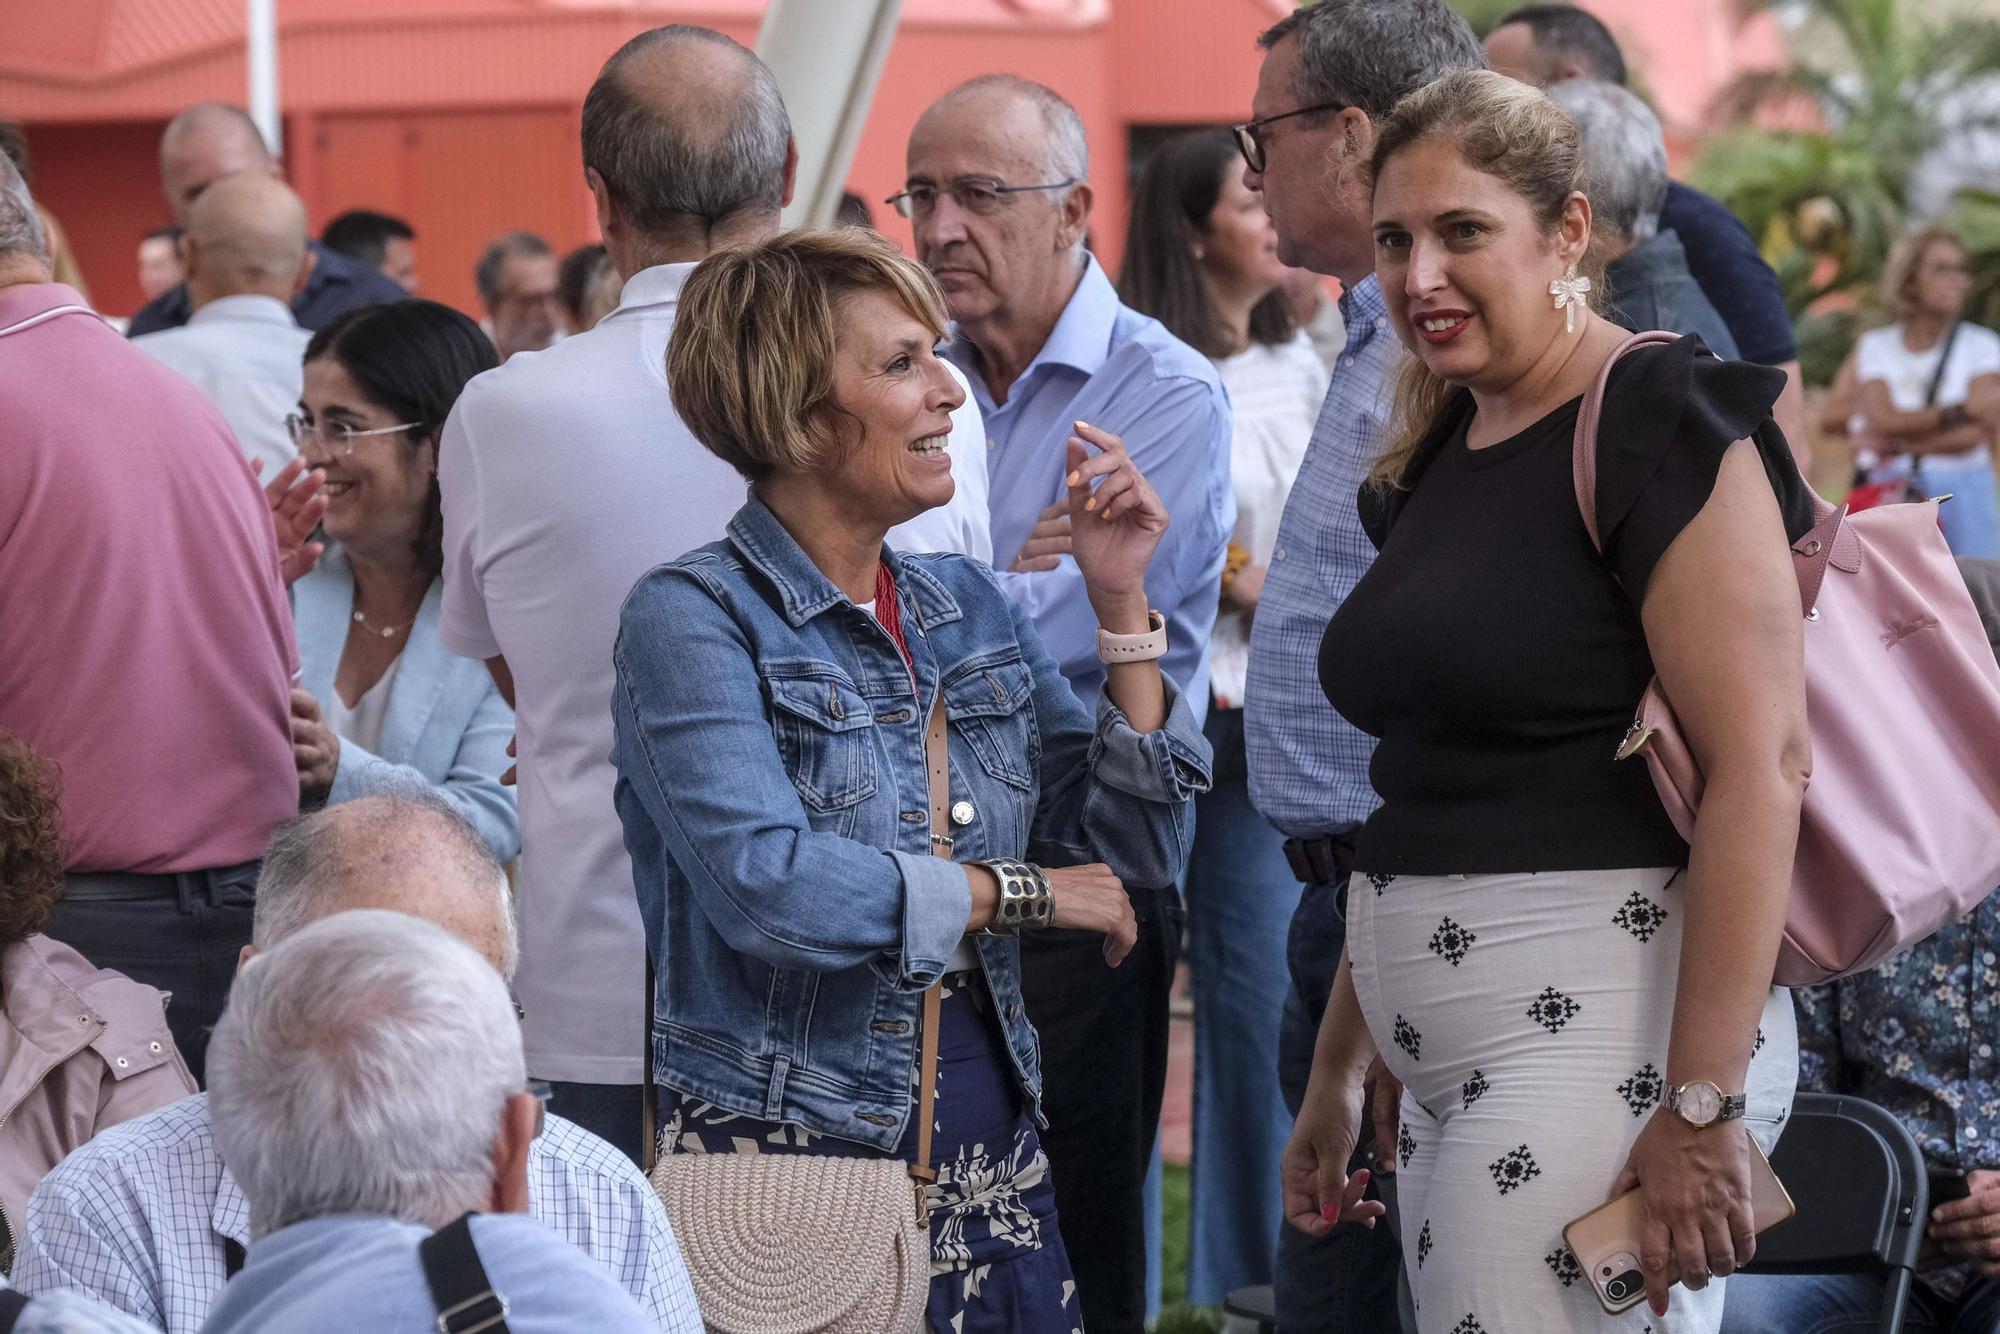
(446, 728)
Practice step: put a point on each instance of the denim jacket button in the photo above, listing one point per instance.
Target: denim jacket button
(961, 812)
(890, 1026)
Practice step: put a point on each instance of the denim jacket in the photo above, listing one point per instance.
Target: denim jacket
(772, 786)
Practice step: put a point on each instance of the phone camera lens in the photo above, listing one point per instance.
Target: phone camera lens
(1623, 1286)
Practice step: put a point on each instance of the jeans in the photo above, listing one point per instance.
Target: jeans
(1971, 518)
(1103, 1035)
(1851, 1304)
(614, 1113)
(1345, 1282)
(1241, 895)
(181, 933)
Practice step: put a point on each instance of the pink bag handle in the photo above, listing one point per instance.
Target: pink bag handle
(1828, 542)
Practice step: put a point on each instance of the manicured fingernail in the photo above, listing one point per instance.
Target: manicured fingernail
(1090, 504)
(1660, 1309)
(1083, 426)
(1071, 479)
(1330, 1212)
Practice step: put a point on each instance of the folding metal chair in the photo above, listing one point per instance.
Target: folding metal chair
(1862, 1192)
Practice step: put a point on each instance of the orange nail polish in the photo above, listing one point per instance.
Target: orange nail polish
(1071, 479)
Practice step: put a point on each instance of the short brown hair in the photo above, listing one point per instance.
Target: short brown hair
(750, 364)
(1899, 272)
(31, 845)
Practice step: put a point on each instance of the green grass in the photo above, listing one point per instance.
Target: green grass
(1176, 1316)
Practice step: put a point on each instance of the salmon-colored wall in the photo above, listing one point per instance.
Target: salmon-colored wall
(462, 115)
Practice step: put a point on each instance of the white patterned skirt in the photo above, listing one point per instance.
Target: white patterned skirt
(1527, 1016)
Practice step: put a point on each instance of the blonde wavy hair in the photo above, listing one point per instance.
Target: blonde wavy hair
(1513, 132)
(1899, 271)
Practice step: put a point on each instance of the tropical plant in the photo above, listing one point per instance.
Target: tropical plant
(1882, 84)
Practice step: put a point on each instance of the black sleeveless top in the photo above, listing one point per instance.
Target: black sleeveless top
(1498, 658)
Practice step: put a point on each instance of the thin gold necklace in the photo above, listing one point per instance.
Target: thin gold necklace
(386, 631)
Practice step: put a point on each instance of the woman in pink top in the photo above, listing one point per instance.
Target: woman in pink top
(81, 1048)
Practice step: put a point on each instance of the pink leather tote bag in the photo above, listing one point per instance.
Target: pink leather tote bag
(1900, 833)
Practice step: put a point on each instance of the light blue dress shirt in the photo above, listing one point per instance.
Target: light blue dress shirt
(1309, 765)
(1108, 365)
(357, 1272)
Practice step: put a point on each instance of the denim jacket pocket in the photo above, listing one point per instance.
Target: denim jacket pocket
(824, 729)
(988, 701)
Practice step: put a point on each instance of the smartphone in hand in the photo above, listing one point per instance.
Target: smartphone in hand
(1605, 1241)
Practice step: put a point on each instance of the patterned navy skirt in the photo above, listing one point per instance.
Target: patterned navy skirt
(997, 1259)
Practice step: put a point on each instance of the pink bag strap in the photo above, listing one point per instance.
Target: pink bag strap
(1830, 541)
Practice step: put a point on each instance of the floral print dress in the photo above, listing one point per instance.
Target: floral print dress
(997, 1260)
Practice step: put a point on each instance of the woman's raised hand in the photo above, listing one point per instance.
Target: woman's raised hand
(1116, 518)
(1093, 898)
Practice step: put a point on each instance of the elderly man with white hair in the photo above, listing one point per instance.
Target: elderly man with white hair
(1647, 281)
(370, 1094)
(147, 1218)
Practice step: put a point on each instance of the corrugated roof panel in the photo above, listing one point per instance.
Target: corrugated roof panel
(65, 34)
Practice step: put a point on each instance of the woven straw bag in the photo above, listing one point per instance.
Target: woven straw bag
(803, 1244)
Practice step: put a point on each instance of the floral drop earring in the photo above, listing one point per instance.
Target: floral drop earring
(1569, 291)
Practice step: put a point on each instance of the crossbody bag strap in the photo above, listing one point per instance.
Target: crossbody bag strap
(937, 764)
(460, 1289)
(1931, 393)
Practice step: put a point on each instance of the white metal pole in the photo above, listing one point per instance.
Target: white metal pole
(827, 55)
(263, 63)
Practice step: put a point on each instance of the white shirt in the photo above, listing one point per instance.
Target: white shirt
(245, 353)
(1275, 393)
(362, 724)
(565, 476)
(1880, 354)
(141, 1218)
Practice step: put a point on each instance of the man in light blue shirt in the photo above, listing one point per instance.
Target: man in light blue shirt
(999, 195)
(1330, 72)
(368, 1089)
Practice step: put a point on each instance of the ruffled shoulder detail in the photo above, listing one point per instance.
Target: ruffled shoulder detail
(1670, 414)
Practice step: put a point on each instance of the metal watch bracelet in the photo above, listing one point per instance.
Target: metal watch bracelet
(1026, 900)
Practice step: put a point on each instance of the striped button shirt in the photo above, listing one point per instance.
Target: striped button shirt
(140, 1218)
(1308, 765)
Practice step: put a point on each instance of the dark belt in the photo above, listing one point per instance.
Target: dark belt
(1320, 861)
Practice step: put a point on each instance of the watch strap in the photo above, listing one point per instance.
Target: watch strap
(1113, 649)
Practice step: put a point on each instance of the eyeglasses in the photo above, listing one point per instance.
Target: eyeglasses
(336, 436)
(1250, 134)
(543, 1091)
(978, 197)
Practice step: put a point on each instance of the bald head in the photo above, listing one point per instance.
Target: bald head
(411, 855)
(685, 134)
(1029, 122)
(203, 144)
(246, 235)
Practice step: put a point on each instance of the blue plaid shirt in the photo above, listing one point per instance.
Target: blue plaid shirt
(1308, 765)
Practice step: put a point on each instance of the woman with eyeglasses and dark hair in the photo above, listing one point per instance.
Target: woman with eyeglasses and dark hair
(1201, 257)
(383, 705)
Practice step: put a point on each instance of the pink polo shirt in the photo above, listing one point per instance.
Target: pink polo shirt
(145, 641)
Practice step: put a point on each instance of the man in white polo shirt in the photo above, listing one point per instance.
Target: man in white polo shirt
(565, 476)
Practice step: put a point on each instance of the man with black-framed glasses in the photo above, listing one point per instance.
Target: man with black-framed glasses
(1330, 72)
(999, 197)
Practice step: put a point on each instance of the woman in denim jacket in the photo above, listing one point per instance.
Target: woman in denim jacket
(773, 693)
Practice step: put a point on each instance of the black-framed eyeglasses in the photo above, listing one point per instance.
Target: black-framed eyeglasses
(1250, 134)
(975, 195)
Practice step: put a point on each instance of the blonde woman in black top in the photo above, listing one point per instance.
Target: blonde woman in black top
(1576, 1001)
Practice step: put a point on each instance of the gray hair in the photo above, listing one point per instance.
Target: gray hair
(1372, 54)
(487, 273)
(363, 1066)
(317, 862)
(705, 149)
(1624, 155)
(20, 225)
(1065, 149)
